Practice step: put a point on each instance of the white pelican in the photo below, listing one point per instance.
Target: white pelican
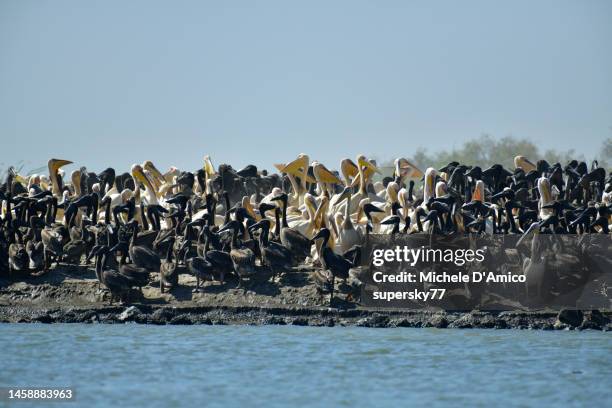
(429, 190)
(54, 167)
(296, 168)
(140, 178)
(545, 198)
(521, 162)
(365, 170)
(305, 223)
(405, 169)
(324, 177)
(348, 235)
(349, 171)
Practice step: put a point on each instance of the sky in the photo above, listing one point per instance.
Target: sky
(112, 83)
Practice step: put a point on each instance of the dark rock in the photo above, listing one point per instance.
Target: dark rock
(182, 319)
(376, 320)
(570, 317)
(464, 322)
(300, 321)
(438, 321)
(44, 318)
(402, 323)
(203, 320)
(108, 318)
(162, 316)
(486, 321)
(274, 320)
(501, 324)
(594, 320)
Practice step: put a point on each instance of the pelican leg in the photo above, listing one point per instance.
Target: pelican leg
(197, 288)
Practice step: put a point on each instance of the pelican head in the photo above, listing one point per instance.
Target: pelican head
(150, 167)
(75, 176)
(55, 164)
(404, 168)
(298, 166)
(208, 166)
(521, 162)
(348, 169)
(366, 164)
(323, 175)
(430, 179)
(138, 174)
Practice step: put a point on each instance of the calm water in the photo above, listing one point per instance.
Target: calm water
(171, 366)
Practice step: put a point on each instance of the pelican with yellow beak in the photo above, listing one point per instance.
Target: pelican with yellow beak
(324, 177)
(209, 173)
(154, 175)
(140, 178)
(349, 171)
(521, 162)
(405, 169)
(162, 183)
(429, 191)
(208, 166)
(297, 168)
(366, 170)
(54, 166)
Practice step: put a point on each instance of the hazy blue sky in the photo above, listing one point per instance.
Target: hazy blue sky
(117, 82)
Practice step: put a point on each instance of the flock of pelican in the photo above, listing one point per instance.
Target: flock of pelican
(247, 225)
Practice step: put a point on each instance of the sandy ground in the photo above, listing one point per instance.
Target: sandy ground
(72, 294)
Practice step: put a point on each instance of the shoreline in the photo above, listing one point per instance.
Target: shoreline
(70, 294)
(309, 316)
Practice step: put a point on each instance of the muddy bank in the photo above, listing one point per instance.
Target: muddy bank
(221, 315)
(71, 295)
